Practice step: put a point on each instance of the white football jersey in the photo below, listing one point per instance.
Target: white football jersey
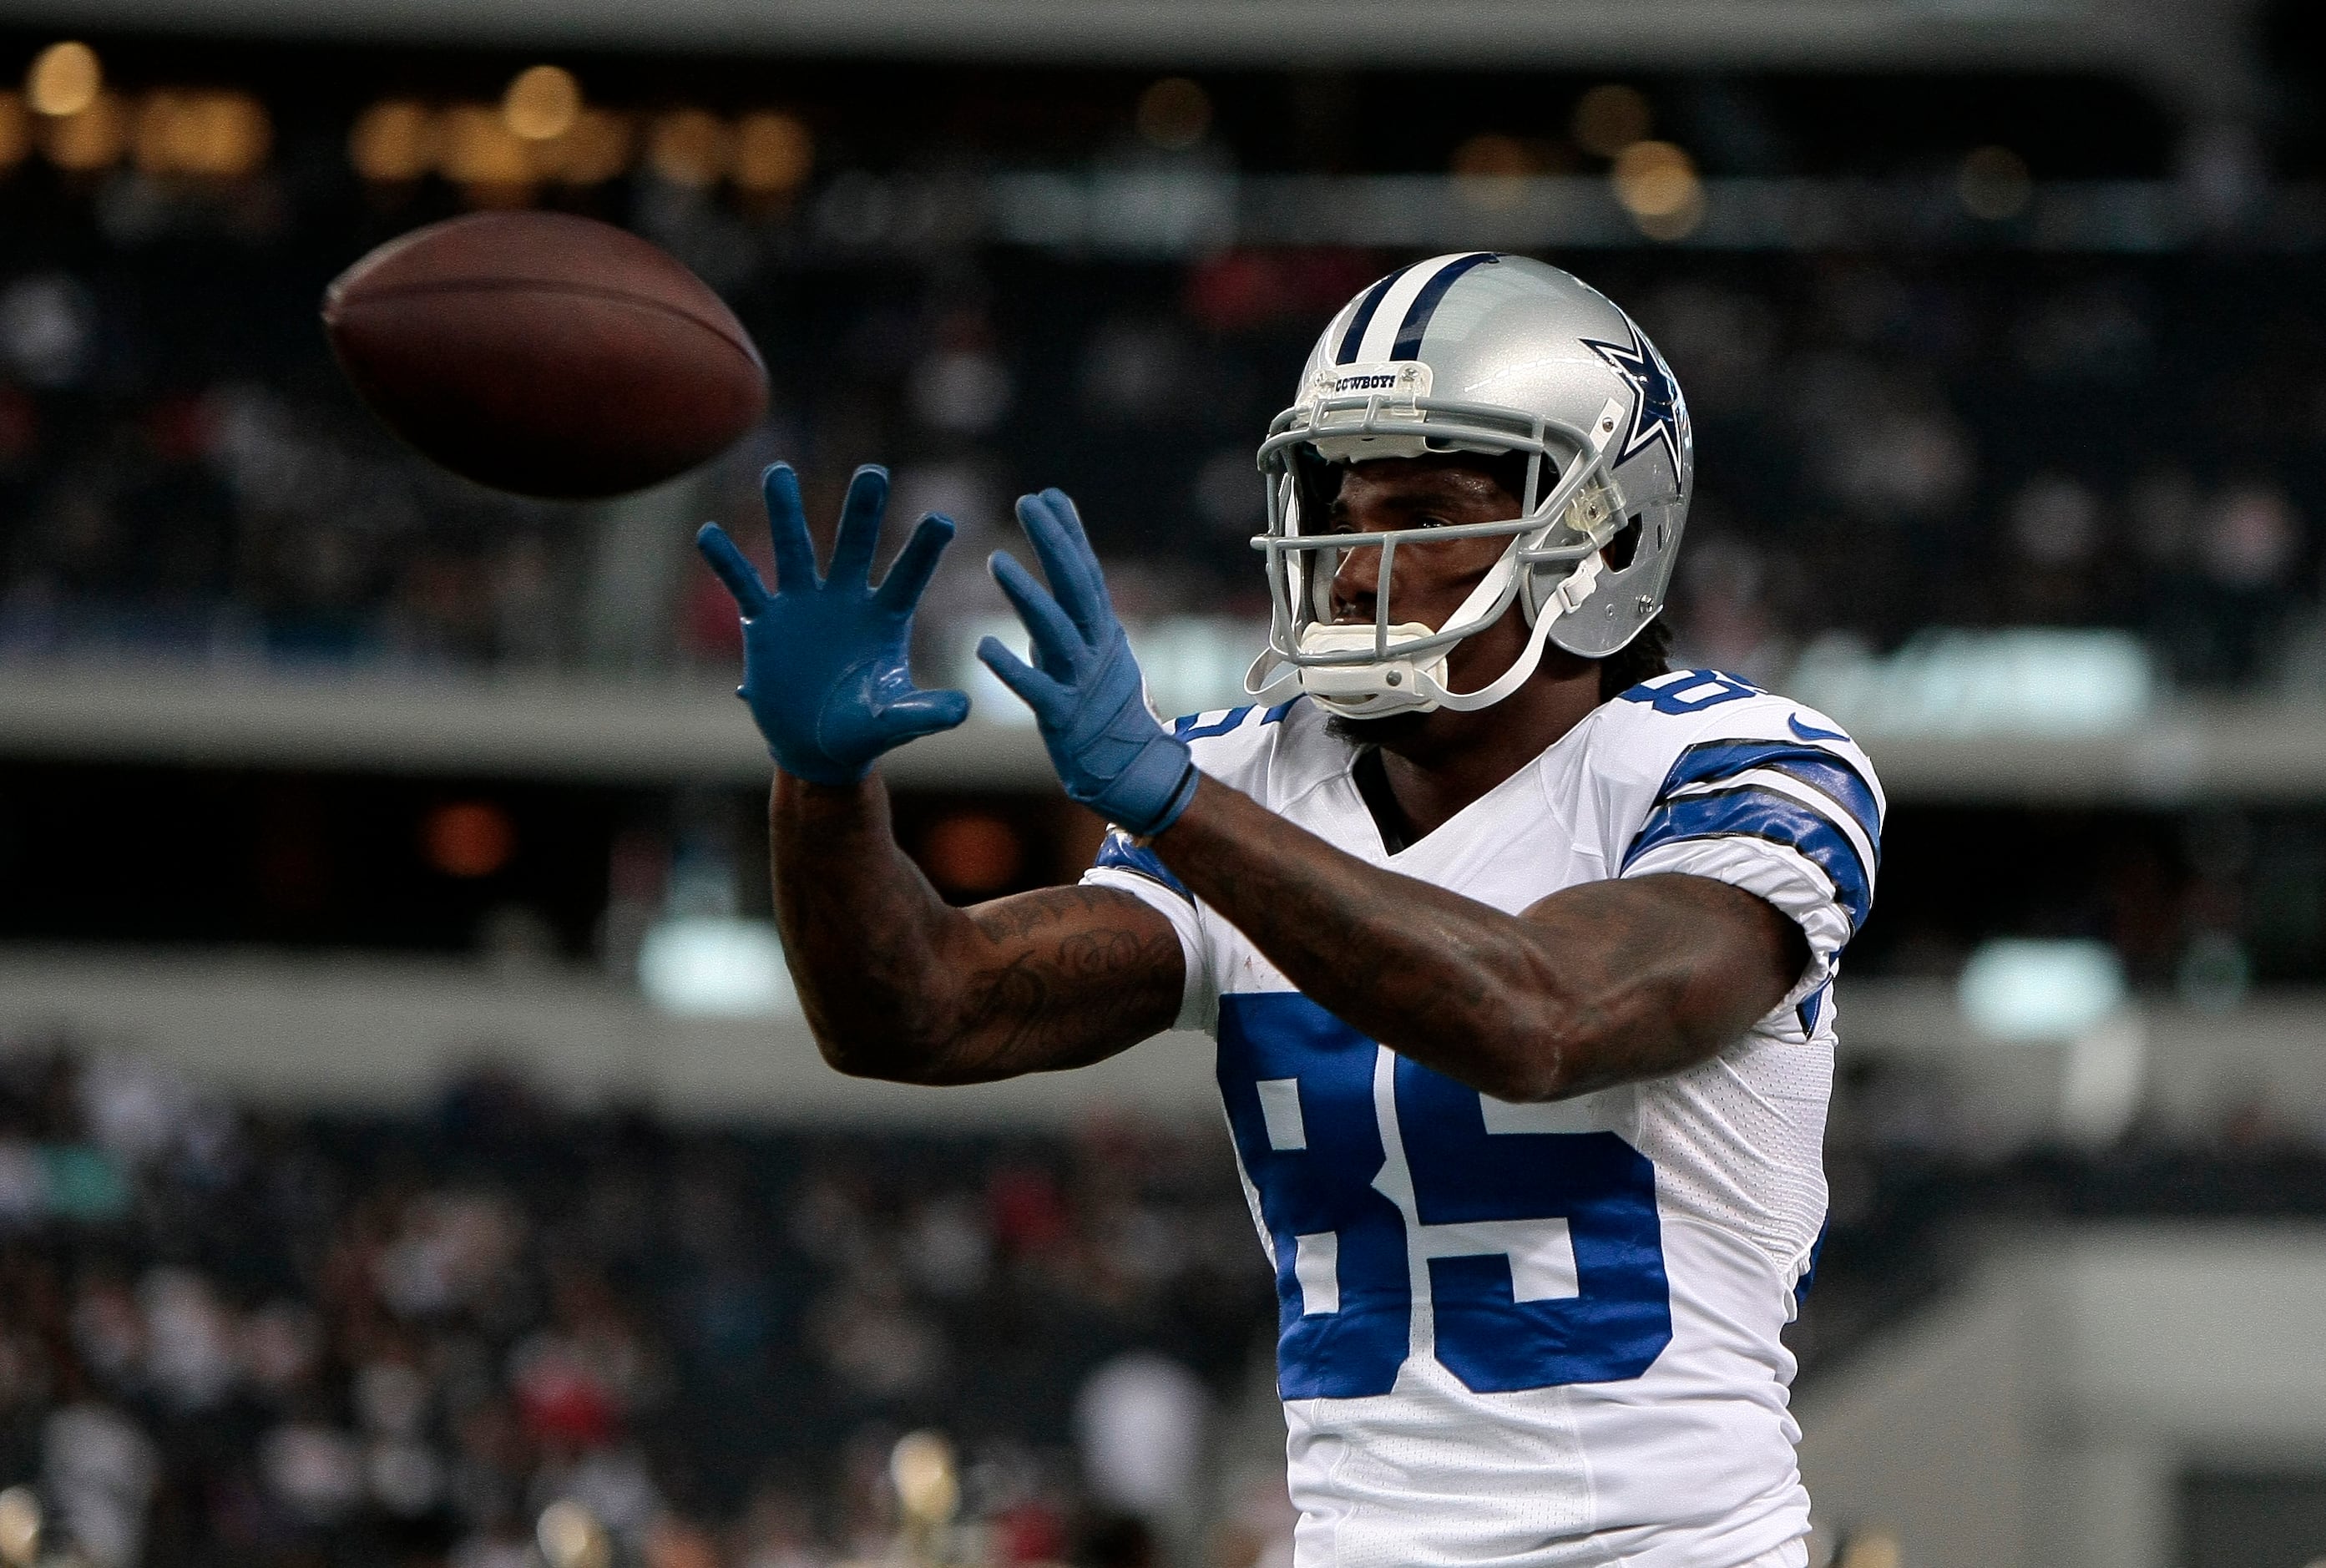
(1542, 1334)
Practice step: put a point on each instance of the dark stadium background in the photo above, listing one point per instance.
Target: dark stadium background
(719, 1322)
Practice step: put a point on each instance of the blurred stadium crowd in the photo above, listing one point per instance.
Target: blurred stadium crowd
(1974, 437)
(232, 1337)
(2114, 444)
(229, 1338)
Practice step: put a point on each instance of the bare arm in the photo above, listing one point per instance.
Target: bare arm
(1603, 983)
(896, 983)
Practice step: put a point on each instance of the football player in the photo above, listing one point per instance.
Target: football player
(1518, 947)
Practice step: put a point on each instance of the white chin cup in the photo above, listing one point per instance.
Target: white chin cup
(1367, 691)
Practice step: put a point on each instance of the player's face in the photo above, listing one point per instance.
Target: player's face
(1429, 581)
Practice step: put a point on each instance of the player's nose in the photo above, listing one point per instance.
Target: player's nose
(1357, 585)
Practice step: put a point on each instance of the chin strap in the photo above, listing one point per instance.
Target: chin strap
(1377, 690)
(1576, 587)
(1413, 685)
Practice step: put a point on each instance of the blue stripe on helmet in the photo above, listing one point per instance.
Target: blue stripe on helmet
(1416, 315)
(1364, 317)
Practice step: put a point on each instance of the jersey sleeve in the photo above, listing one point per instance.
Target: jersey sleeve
(1141, 873)
(1795, 819)
(1233, 745)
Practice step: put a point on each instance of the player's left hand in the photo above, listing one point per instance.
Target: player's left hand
(1110, 750)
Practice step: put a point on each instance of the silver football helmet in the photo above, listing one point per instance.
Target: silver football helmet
(1492, 354)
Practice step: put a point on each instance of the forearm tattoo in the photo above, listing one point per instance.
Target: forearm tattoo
(896, 983)
(1604, 983)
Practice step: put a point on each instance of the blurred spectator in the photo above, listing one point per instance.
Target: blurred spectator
(1904, 440)
(1140, 1419)
(99, 1472)
(413, 1336)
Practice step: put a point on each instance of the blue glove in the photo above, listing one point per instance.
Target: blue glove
(1110, 750)
(824, 665)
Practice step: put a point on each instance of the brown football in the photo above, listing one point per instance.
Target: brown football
(544, 353)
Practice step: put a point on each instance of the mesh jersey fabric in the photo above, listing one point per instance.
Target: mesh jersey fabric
(1542, 1334)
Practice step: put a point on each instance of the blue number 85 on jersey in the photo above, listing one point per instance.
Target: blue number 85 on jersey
(1540, 1252)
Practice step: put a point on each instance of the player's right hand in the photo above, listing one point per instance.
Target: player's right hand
(824, 660)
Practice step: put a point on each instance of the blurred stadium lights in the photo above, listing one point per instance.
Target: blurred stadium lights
(1501, 190)
(88, 139)
(1490, 169)
(923, 1472)
(689, 147)
(716, 965)
(64, 80)
(1496, 194)
(1657, 183)
(1193, 664)
(394, 141)
(2030, 680)
(594, 149)
(569, 1536)
(1179, 212)
(84, 127)
(468, 839)
(223, 136)
(480, 147)
(542, 103)
(972, 852)
(774, 154)
(2068, 994)
(542, 131)
(2021, 989)
(485, 157)
(20, 1526)
(1609, 118)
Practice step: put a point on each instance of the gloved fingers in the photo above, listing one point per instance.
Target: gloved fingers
(1063, 506)
(925, 713)
(787, 530)
(1037, 690)
(1058, 646)
(1070, 518)
(860, 526)
(742, 578)
(1056, 535)
(908, 573)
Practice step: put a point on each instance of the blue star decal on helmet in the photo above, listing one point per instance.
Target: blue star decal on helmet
(1657, 412)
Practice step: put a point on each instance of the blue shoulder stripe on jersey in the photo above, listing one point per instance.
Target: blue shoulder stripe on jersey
(1808, 1010)
(1750, 813)
(1355, 335)
(1187, 729)
(1829, 774)
(1417, 315)
(1118, 852)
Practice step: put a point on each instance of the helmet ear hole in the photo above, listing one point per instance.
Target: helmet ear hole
(1619, 551)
